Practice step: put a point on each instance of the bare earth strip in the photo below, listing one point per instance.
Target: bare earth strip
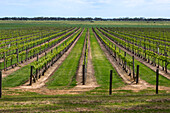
(8, 72)
(79, 73)
(131, 85)
(163, 73)
(90, 82)
(91, 79)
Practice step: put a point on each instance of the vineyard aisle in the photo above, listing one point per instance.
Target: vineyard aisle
(116, 66)
(90, 81)
(64, 77)
(102, 66)
(131, 85)
(10, 71)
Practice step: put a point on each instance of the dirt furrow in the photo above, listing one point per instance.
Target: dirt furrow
(90, 82)
(80, 68)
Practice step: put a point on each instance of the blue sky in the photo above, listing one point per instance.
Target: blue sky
(85, 8)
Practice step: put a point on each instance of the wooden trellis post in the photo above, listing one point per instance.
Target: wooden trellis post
(83, 75)
(125, 62)
(31, 75)
(133, 67)
(17, 55)
(157, 80)
(37, 69)
(4, 61)
(0, 84)
(137, 74)
(110, 88)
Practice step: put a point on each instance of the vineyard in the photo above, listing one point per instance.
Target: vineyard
(74, 68)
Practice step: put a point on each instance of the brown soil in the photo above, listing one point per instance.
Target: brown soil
(80, 68)
(90, 82)
(131, 85)
(8, 72)
(45, 91)
(141, 86)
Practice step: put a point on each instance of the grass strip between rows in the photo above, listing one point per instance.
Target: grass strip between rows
(102, 66)
(66, 73)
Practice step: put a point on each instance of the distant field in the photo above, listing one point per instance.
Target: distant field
(13, 24)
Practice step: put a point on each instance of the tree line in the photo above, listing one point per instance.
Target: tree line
(85, 19)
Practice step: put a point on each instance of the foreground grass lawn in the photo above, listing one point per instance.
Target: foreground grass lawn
(144, 101)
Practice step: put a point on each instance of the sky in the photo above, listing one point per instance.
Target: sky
(85, 8)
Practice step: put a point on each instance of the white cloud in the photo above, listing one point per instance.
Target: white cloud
(161, 1)
(133, 3)
(104, 1)
(102, 8)
(14, 2)
(159, 5)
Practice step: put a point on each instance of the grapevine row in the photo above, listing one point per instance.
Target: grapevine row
(139, 51)
(39, 67)
(29, 54)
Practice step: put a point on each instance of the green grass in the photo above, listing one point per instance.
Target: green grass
(65, 75)
(19, 101)
(149, 75)
(102, 66)
(23, 24)
(17, 78)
